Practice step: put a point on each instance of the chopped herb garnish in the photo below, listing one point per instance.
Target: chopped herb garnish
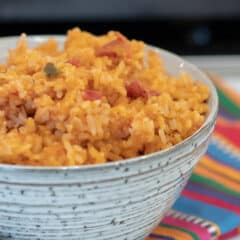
(51, 70)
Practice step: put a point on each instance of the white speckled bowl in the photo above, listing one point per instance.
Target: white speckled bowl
(122, 200)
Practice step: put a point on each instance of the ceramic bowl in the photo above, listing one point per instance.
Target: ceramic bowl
(121, 200)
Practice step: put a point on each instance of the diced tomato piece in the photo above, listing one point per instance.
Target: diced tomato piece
(118, 46)
(135, 89)
(91, 95)
(74, 61)
(153, 93)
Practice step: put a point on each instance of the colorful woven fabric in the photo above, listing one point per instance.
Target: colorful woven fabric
(209, 206)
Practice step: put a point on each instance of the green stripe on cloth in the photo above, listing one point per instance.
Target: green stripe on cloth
(209, 182)
(228, 104)
(193, 235)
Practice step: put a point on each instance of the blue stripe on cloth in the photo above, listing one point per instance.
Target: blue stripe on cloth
(222, 156)
(157, 236)
(226, 114)
(226, 220)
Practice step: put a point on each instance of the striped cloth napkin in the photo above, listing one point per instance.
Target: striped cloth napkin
(209, 206)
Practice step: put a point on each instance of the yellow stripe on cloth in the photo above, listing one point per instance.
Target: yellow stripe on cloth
(220, 179)
(227, 171)
(174, 233)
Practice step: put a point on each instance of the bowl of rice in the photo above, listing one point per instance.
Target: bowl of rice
(98, 135)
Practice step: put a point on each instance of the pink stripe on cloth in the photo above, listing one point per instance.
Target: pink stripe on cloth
(201, 232)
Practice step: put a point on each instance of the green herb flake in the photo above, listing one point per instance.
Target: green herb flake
(51, 70)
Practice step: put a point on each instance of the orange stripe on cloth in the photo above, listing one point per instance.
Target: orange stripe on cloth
(220, 179)
(174, 233)
(229, 172)
(225, 122)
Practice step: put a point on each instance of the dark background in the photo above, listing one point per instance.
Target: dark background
(182, 26)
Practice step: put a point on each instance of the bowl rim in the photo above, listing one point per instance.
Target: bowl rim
(209, 121)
